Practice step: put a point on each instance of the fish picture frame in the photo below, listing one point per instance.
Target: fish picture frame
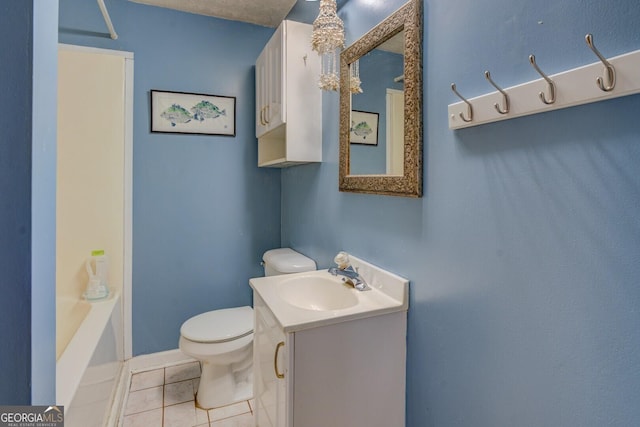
(364, 128)
(192, 113)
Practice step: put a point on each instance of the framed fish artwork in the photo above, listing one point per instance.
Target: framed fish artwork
(197, 113)
(364, 128)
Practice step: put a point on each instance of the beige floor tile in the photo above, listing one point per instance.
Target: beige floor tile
(244, 420)
(186, 371)
(202, 417)
(144, 400)
(144, 419)
(147, 379)
(178, 392)
(181, 415)
(216, 414)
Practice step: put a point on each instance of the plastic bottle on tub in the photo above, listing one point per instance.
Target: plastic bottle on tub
(97, 287)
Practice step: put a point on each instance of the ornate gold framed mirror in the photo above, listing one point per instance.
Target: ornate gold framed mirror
(381, 126)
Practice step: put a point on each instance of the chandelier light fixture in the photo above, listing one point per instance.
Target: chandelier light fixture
(327, 39)
(354, 78)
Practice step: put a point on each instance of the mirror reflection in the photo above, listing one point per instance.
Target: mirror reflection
(377, 110)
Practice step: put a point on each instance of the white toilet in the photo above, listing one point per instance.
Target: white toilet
(222, 340)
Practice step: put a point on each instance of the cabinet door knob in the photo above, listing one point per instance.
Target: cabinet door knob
(275, 360)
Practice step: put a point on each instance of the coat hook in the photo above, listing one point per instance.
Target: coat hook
(552, 85)
(611, 72)
(469, 106)
(504, 95)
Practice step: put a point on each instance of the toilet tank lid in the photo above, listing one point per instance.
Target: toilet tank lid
(219, 325)
(286, 260)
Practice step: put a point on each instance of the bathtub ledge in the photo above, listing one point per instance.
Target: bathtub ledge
(75, 359)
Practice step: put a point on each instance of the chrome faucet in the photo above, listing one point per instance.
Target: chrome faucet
(351, 276)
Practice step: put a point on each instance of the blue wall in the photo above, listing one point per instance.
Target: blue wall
(43, 207)
(524, 253)
(27, 192)
(203, 212)
(16, 23)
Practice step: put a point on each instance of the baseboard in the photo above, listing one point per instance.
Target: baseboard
(147, 362)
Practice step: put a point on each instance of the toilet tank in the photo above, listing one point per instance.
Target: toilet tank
(285, 261)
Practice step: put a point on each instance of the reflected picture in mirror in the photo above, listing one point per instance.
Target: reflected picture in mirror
(385, 66)
(364, 128)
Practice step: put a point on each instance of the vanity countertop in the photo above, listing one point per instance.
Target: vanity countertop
(389, 293)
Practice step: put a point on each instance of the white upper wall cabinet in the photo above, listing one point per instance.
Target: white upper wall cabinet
(288, 100)
(269, 87)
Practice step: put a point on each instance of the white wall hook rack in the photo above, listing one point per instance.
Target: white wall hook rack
(578, 86)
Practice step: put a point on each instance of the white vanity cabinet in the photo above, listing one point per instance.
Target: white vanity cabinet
(270, 345)
(288, 100)
(346, 374)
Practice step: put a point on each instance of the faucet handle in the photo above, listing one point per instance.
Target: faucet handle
(342, 259)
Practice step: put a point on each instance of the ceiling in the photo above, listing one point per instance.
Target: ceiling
(268, 13)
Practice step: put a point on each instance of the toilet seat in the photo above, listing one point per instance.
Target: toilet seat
(219, 326)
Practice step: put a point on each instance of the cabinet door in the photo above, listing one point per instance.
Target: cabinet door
(261, 94)
(274, 77)
(270, 368)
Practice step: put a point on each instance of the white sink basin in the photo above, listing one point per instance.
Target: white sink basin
(316, 298)
(318, 293)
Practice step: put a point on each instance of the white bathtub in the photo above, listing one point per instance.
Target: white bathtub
(88, 371)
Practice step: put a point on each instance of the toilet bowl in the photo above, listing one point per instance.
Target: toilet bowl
(222, 340)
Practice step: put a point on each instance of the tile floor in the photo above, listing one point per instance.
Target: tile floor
(166, 398)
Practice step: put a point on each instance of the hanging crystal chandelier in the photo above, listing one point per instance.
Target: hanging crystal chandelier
(327, 39)
(354, 80)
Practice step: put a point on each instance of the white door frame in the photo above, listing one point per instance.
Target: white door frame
(392, 96)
